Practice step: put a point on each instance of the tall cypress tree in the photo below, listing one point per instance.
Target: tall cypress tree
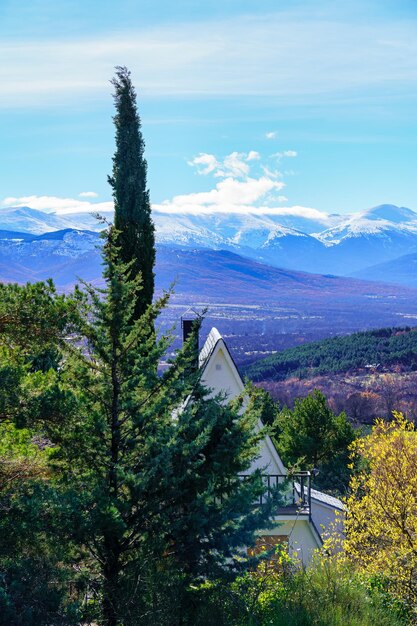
(133, 220)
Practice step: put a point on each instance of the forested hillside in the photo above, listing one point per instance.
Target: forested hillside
(384, 347)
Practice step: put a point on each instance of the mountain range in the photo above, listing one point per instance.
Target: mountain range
(249, 270)
(361, 245)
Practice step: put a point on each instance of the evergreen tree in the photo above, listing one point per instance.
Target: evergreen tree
(156, 477)
(311, 435)
(141, 486)
(131, 197)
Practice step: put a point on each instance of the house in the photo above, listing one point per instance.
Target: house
(307, 514)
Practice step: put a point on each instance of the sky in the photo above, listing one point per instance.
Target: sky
(246, 105)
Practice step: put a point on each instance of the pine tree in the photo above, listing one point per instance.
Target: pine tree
(144, 469)
(156, 477)
(312, 435)
(133, 220)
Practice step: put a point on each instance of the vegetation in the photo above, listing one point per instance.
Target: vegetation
(133, 220)
(311, 436)
(120, 497)
(381, 522)
(130, 490)
(330, 593)
(386, 346)
(134, 498)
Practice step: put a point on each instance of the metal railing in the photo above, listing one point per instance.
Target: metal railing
(295, 490)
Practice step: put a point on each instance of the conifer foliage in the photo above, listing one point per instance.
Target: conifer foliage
(131, 197)
(313, 436)
(156, 477)
(137, 502)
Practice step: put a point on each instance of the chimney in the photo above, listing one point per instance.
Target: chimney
(188, 321)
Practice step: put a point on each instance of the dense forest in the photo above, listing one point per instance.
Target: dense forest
(388, 347)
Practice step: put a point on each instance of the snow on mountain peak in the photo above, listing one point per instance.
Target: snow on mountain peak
(391, 213)
(381, 220)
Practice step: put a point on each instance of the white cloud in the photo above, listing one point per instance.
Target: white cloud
(205, 163)
(279, 52)
(271, 135)
(234, 165)
(229, 192)
(88, 194)
(60, 206)
(191, 207)
(228, 197)
(239, 191)
(271, 173)
(284, 154)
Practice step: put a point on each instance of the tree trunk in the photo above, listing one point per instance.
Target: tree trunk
(111, 592)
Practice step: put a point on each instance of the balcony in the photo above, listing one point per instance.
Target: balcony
(296, 493)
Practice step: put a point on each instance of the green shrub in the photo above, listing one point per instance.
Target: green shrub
(327, 594)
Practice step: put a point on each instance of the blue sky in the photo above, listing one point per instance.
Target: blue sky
(256, 103)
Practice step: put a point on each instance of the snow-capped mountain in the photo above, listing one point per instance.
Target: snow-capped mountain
(215, 230)
(345, 245)
(26, 220)
(383, 220)
(380, 234)
(68, 243)
(63, 254)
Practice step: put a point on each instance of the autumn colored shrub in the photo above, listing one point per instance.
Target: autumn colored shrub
(381, 521)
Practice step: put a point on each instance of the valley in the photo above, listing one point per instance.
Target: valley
(267, 285)
(259, 308)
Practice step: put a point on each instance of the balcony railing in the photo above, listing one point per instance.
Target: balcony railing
(295, 492)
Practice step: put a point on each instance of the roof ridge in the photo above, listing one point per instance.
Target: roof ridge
(212, 338)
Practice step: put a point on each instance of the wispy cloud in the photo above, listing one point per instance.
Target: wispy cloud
(271, 134)
(235, 164)
(55, 204)
(286, 153)
(88, 194)
(287, 54)
(205, 163)
(247, 186)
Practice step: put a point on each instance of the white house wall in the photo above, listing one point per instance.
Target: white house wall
(220, 375)
(326, 519)
(302, 540)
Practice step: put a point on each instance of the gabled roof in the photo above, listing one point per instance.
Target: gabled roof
(213, 346)
(207, 350)
(213, 343)
(324, 498)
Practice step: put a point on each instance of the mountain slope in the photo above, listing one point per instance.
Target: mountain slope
(400, 271)
(259, 308)
(26, 220)
(345, 245)
(374, 236)
(389, 346)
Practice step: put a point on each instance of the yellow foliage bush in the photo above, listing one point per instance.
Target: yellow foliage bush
(381, 517)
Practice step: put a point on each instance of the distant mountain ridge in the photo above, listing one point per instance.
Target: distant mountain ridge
(350, 245)
(258, 307)
(399, 271)
(382, 348)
